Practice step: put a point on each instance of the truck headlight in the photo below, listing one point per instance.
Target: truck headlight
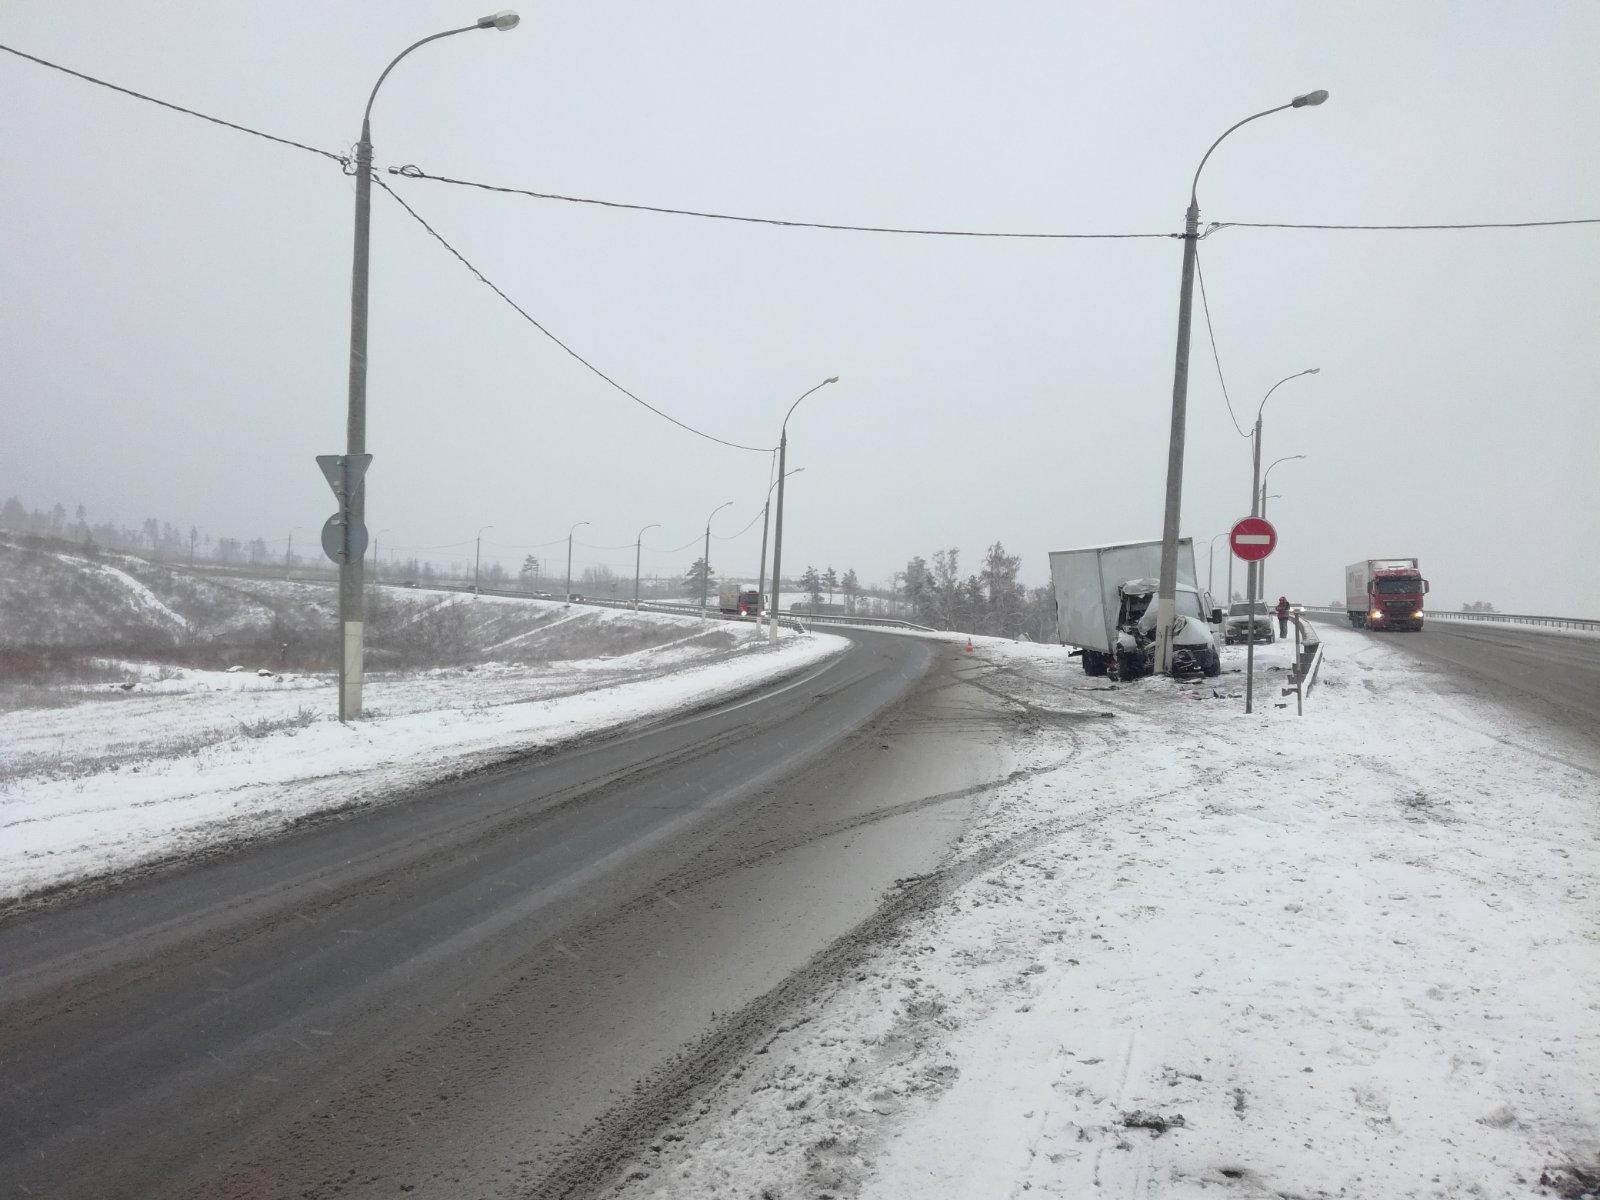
(1377, 615)
(1417, 615)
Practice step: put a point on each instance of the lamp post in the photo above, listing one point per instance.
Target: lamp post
(777, 535)
(1261, 568)
(1211, 563)
(567, 599)
(477, 556)
(377, 567)
(705, 558)
(1166, 605)
(288, 554)
(352, 574)
(766, 511)
(638, 544)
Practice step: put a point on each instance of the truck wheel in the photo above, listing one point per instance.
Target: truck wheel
(1213, 665)
(1094, 663)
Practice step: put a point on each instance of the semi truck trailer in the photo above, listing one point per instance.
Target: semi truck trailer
(1384, 593)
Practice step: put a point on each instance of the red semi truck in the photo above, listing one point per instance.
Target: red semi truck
(1384, 593)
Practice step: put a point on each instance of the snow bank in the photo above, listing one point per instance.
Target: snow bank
(1189, 953)
(86, 791)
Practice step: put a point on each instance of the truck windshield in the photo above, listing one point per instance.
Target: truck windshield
(1398, 587)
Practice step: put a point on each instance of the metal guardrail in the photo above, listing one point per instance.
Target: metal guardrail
(788, 617)
(1436, 614)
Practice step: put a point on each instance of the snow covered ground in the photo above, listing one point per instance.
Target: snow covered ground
(178, 760)
(1187, 952)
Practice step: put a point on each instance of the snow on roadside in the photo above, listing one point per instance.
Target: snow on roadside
(1193, 953)
(58, 825)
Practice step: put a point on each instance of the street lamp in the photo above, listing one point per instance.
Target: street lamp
(1261, 567)
(705, 558)
(352, 574)
(1254, 570)
(377, 567)
(1211, 565)
(1166, 606)
(761, 581)
(567, 599)
(638, 543)
(477, 557)
(777, 536)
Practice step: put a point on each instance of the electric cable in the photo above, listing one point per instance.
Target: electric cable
(1214, 226)
(1205, 306)
(484, 279)
(342, 159)
(412, 171)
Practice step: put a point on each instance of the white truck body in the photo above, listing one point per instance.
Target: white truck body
(1086, 583)
(738, 598)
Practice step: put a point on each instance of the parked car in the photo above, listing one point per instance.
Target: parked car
(1242, 628)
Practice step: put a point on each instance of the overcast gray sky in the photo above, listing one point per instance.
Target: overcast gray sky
(175, 310)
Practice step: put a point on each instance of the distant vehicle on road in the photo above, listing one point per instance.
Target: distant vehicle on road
(1247, 621)
(1106, 607)
(739, 599)
(1384, 593)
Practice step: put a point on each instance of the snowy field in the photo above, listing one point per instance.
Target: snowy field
(1190, 953)
(174, 761)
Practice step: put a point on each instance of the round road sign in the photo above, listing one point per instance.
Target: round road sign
(1252, 538)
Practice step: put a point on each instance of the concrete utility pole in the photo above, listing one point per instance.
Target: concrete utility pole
(352, 573)
(1166, 595)
(705, 559)
(638, 544)
(288, 554)
(567, 599)
(777, 537)
(477, 556)
(766, 511)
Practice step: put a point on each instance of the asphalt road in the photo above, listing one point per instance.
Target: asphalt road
(447, 995)
(1552, 678)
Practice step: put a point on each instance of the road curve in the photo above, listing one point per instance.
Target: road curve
(399, 1001)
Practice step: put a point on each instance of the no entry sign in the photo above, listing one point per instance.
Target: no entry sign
(1253, 538)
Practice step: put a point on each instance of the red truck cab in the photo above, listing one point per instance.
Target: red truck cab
(1385, 594)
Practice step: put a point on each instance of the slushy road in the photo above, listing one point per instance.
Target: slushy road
(1550, 677)
(437, 996)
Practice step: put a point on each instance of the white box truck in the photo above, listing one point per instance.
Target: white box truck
(1106, 608)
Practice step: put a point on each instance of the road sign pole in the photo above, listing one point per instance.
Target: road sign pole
(1250, 642)
(1251, 539)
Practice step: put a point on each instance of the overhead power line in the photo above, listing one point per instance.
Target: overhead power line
(410, 171)
(1205, 306)
(1214, 226)
(728, 537)
(528, 317)
(341, 159)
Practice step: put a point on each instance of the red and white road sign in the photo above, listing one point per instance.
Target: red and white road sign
(1252, 538)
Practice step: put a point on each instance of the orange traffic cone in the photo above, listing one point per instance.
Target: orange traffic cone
(969, 645)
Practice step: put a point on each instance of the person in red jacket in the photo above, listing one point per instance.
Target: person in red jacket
(1283, 616)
